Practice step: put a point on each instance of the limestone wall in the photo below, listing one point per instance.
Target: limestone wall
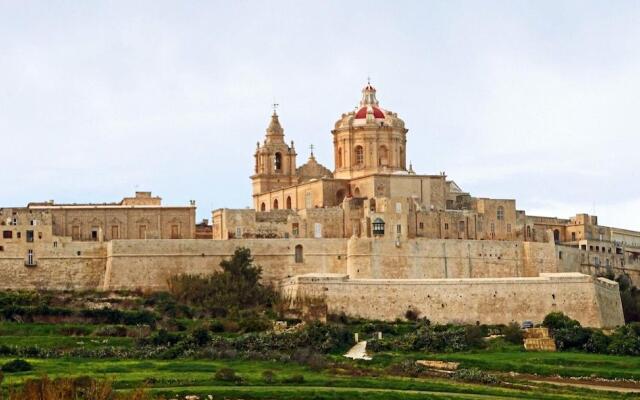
(149, 263)
(593, 302)
(428, 258)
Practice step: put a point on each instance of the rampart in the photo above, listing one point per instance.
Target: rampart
(594, 302)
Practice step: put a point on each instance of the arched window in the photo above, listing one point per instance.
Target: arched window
(383, 156)
(278, 162)
(500, 213)
(356, 192)
(556, 236)
(263, 207)
(288, 202)
(339, 196)
(275, 204)
(339, 157)
(299, 255)
(359, 152)
(528, 232)
(378, 227)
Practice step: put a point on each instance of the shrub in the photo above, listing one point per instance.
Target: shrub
(296, 379)
(309, 357)
(269, 377)
(200, 336)
(407, 368)
(111, 331)
(17, 365)
(475, 375)
(227, 375)
(412, 315)
(557, 320)
(512, 333)
(164, 338)
(255, 324)
(216, 326)
(474, 335)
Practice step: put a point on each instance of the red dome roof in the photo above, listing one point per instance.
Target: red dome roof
(362, 112)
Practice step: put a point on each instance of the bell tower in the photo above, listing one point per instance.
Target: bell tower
(275, 161)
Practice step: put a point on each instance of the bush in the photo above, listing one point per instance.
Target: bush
(255, 324)
(269, 377)
(111, 331)
(227, 375)
(296, 379)
(475, 375)
(557, 320)
(17, 366)
(407, 368)
(309, 357)
(200, 336)
(474, 336)
(216, 326)
(412, 315)
(512, 333)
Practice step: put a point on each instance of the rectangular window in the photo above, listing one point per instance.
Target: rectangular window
(493, 228)
(7, 234)
(398, 208)
(295, 229)
(142, 232)
(75, 232)
(115, 232)
(560, 255)
(30, 236)
(30, 257)
(238, 232)
(421, 225)
(573, 236)
(175, 232)
(446, 227)
(308, 200)
(1, 248)
(398, 229)
(55, 244)
(317, 230)
(94, 235)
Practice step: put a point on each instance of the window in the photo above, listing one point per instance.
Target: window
(263, 207)
(55, 244)
(500, 213)
(30, 257)
(317, 230)
(295, 229)
(18, 235)
(7, 234)
(14, 221)
(573, 236)
(115, 232)
(175, 231)
(1, 248)
(528, 231)
(359, 152)
(596, 261)
(39, 235)
(398, 208)
(299, 255)
(142, 232)
(560, 255)
(339, 162)
(398, 229)
(288, 202)
(308, 199)
(30, 236)
(421, 225)
(383, 156)
(508, 228)
(94, 234)
(75, 232)
(278, 161)
(446, 227)
(238, 232)
(275, 204)
(479, 226)
(378, 227)
(493, 228)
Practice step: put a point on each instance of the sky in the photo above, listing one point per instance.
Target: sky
(533, 100)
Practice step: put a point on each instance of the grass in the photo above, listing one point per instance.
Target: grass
(197, 377)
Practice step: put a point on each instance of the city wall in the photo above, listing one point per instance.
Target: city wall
(594, 302)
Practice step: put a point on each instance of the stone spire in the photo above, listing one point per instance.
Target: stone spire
(275, 133)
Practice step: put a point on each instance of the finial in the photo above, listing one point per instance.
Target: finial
(275, 106)
(311, 148)
(368, 80)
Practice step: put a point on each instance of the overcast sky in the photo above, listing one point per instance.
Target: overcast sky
(537, 101)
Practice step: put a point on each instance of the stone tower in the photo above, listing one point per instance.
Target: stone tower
(369, 140)
(275, 164)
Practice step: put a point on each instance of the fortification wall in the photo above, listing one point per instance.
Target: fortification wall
(491, 301)
(68, 266)
(149, 263)
(373, 258)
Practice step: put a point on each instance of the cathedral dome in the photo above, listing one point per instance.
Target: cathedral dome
(369, 112)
